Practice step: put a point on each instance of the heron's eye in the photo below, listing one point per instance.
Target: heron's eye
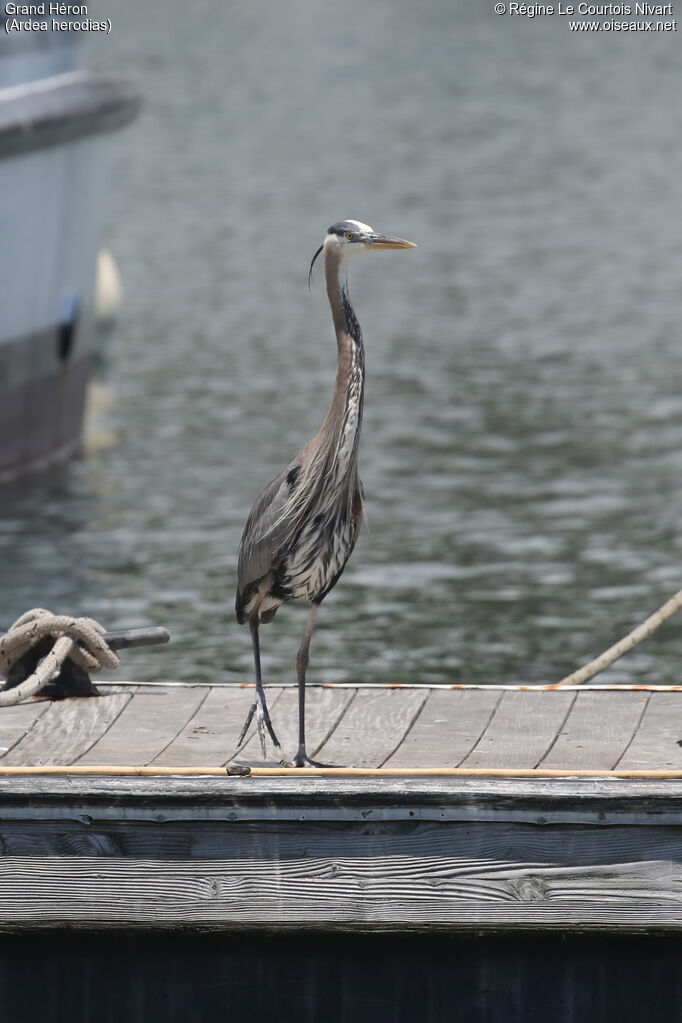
(350, 236)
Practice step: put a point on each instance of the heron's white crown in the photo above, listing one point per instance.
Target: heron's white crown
(348, 237)
(361, 228)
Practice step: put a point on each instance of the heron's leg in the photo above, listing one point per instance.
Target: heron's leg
(302, 759)
(259, 706)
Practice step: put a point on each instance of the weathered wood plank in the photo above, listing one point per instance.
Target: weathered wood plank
(522, 729)
(597, 730)
(324, 710)
(68, 729)
(148, 723)
(410, 841)
(659, 736)
(336, 894)
(594, 802)
(210, 736)
(373, 727)
(16, 722)
(448, 727)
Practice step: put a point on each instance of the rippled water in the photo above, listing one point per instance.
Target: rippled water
(521, 452)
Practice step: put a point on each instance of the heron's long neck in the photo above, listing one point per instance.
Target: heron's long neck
(345, 412)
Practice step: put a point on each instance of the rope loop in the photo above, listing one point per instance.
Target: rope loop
(78, 639)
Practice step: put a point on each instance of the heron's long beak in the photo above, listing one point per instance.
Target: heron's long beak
(386, 241)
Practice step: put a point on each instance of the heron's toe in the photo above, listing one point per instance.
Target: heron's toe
(265, 728)
(261, 734)
(303, 760)
(245, 728)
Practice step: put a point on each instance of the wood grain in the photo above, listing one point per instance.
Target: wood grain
(469, 843)
(210, 736)
(16, 722)
(599, 802)
(336, 893)
(68, 729)
(324, 710)
(179, 726)
(147, 724)
(373, 727)
(597, 730)
(448, 727)
(340, 854)
(658, 741)
(522, 729)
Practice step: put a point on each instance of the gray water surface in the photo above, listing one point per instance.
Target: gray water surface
(521, 450)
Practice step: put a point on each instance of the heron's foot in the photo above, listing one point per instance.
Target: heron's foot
(303, 760)
(263, 725)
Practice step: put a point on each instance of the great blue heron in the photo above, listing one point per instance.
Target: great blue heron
(303, 527)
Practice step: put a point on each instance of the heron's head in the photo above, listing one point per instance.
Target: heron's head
(349, 237)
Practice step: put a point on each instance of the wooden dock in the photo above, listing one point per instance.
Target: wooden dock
(391, 853)
(601, 728)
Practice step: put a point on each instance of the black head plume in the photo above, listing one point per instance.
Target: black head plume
(312, 264)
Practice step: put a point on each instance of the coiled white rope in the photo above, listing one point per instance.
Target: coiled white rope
(79, 639)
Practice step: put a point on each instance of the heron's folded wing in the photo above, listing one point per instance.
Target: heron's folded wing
(267, 530)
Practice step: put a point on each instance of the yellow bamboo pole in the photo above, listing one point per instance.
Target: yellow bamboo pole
(116, 771)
